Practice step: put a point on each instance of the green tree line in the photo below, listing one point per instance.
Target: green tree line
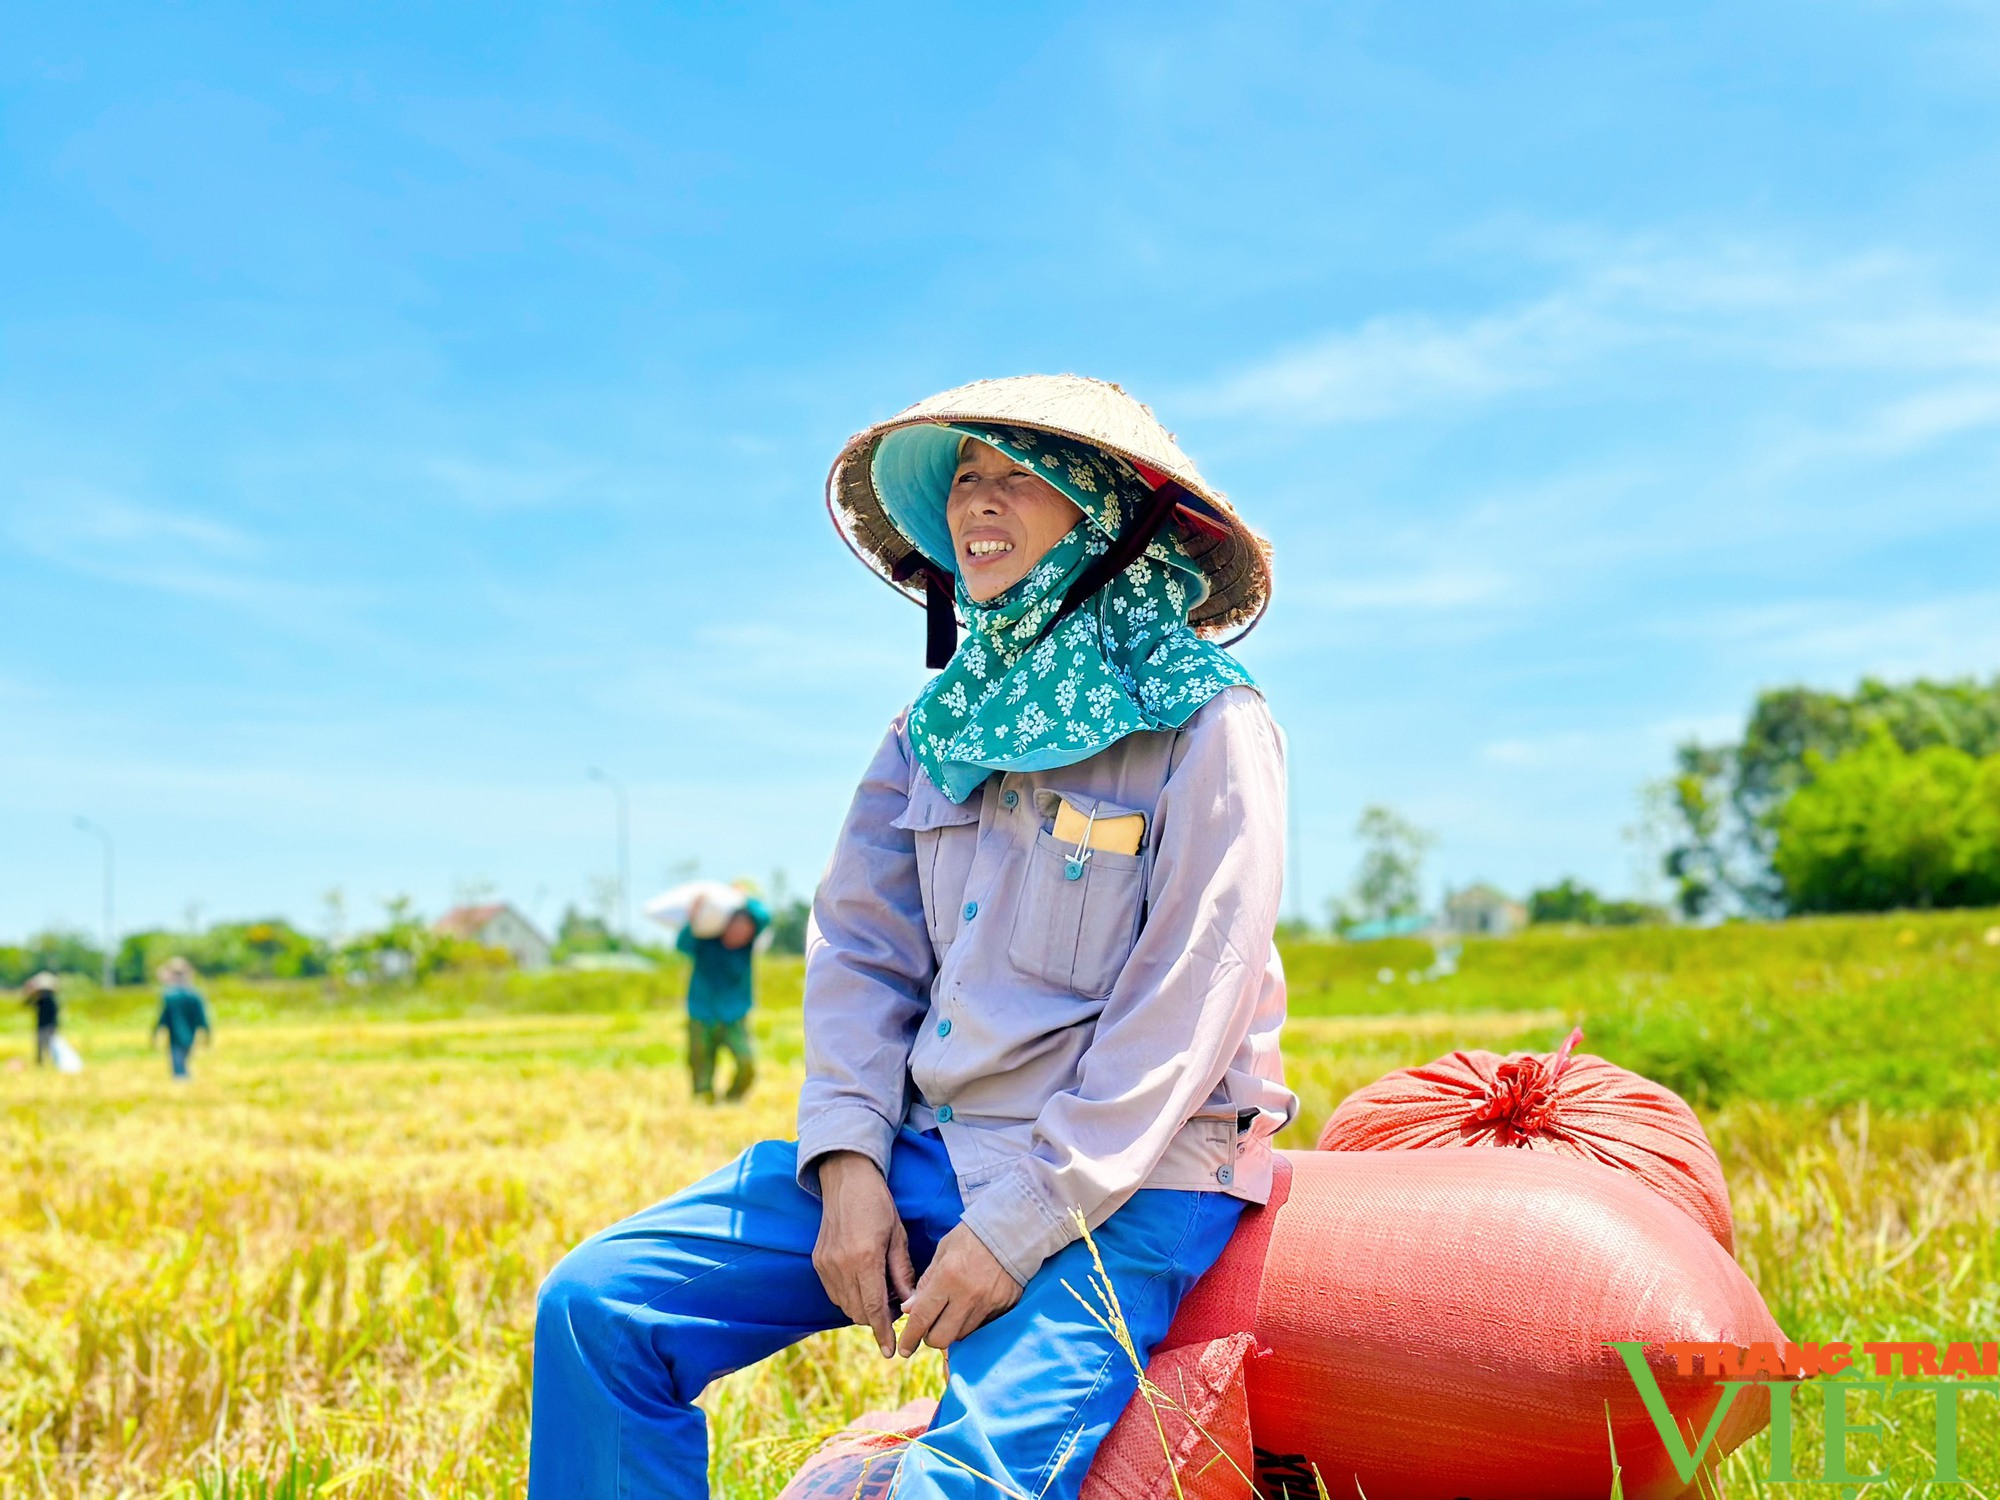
(403, 946)
(268, 948)
(1883, 798)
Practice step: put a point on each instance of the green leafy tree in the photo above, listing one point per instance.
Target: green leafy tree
(1699, 798)
(405, 948)
(1565, 901)
(277, 950)
(788, 926)
(1571, 901)
(579, 933)
(268, 949)
(1883, 827)
(1722, 807)
(58, 952)
(1389, 882)
(140, 953)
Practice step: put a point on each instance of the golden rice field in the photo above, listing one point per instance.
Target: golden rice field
(312, 1270)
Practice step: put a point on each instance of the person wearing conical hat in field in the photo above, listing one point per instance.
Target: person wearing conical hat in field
(43, 994)
(183, 1015)
(1041, 990)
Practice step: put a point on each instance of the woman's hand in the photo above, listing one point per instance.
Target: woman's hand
(863, 1251)
(964, 1289)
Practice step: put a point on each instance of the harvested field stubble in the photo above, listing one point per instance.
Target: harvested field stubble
(329, 1243)
(312, 1270)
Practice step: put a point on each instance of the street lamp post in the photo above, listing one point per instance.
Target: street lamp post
(624, 849)
(84, 825)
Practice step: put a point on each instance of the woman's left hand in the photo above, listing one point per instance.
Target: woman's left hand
(963, 1289)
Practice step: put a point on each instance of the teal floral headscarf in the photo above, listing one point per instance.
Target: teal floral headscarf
(1126, 660)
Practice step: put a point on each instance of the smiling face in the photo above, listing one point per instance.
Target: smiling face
(1003, 519)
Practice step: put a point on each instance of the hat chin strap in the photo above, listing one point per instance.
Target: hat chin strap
(1122, 553)
(940, 607)
(941, 591)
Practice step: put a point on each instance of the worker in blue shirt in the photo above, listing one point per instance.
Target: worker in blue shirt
(719, 997)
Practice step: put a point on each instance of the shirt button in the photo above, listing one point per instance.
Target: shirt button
(944, 1028)
(944, 1113)
(1010, 799)
(1073, 870)
(971, 910)
(1224, 1174)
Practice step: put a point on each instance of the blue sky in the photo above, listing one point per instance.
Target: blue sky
(404, 409)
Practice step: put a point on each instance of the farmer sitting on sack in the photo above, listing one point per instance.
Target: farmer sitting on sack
(1040, 980)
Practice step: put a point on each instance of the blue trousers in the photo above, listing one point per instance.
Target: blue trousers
(637, 1320)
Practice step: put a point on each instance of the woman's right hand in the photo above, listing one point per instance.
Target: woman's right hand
(863, 1252)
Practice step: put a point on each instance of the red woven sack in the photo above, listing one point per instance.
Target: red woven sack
(1203, 1415)
(1436, 1322)
(1573, 1104)
(1202, 1412)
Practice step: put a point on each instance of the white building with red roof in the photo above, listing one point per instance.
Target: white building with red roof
(497, 925)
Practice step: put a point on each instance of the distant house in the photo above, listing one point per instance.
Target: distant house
(497, 926)
(1480, 910)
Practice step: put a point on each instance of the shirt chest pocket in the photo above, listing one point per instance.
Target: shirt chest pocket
(947, 837)
(1077, 917)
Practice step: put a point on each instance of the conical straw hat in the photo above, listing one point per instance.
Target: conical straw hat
(1236, 561)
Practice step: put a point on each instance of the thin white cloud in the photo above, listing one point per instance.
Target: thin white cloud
(1392, 365)
(1431, 590)
(1727, 306)
(1913, 338)
(172, 552)
(1592, 749)
(1929, 417)
(758, 678)
(1836, 640)
(78, 519)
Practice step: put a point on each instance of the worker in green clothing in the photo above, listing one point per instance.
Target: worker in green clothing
(719, 996)
(183, 1014)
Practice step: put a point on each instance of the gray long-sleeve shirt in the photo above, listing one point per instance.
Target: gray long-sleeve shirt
(1076, 1030)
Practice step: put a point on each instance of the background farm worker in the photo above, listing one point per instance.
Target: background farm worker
(41, 993)
(719, 991)
(1040, 980)
(183, 1013)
